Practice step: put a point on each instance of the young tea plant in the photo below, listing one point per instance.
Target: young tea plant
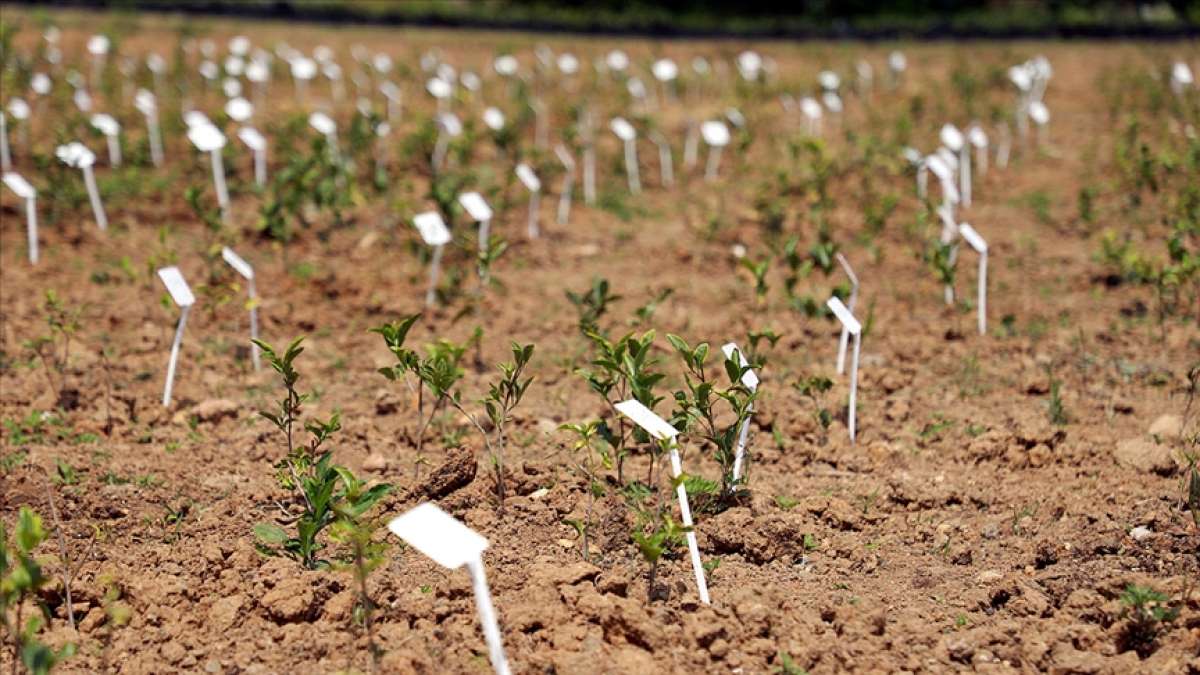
(815, 388)
(53, 348)
(308, 471)
(699, 407)
(591, 305)
(355, 534)
(21, 581)
(1145, 610)
(587, 438)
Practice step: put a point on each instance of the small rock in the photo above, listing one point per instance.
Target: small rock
(375, 462)
(1140, 533)
(1167, 427)
(212, 410)
(989, 576)
(539, 493)
(566, 543)
(1145, 455)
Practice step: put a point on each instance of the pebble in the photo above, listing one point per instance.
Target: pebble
(1167, 427)
(1140, 533)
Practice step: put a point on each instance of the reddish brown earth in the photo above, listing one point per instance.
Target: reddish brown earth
(963, 531)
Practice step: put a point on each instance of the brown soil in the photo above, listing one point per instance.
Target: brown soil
(963, 531)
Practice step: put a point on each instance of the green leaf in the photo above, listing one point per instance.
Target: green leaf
(270, 533)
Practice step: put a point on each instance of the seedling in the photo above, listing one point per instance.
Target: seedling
(77, 156)
(814, 388)
(452, 545)
(591, 305)
(182, 295)
(531, 182)
(24, 190)
(243, 268)
(1054, 405)
(848, 321)
(54, 348)
(21, 583)
(759, 271)
(664, 433)
(356, 535)
(587, 435)
(1145, 610)
(309, 473)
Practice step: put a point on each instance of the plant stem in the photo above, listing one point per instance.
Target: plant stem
(62, 550)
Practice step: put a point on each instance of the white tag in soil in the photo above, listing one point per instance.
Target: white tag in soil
(243, 268)
(78, 156)
(851, 324)
(531, 182)
(628, 135)
(979, 140)
(452, 545)
(433, 230)
(661, 430)
(479, 211)
(147, 104)
(258, 145)
(976, 242)
(25, 191)
(568, 184)
(208, 138)
(493, 118)
(845, 338)
(172, 278)
(750, 380)
(111, 129)
(716, 137)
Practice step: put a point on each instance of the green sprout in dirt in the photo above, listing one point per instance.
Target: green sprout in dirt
(1054, 405)
(592, 304)
(941, 258)
(759, 271)
(815, 388)
(586, 451)
(53, 349)
(1145, 610)
(754, 344)
(655, 532)
(622, 369)
(21, 582)
(307, 471)
(699, 407)
(502, 398)
(356, 535)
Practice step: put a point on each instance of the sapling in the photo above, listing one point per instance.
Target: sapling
(814, 388)
(356, 535)
(759, 272)
(54, 348)
(439, 372)
(698, 409)
(1145, 610)
(592, 304)
(308, 471)
(21, 583)
(587, 435)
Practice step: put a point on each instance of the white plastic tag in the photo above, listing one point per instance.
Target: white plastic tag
(180, 292)
(206, 137)
(439, 535)
(19, 185)
(843, 314)
(432, 228)
(528, 178)
(623, 129)
(646, 419)
(237, 262)
(475, 206)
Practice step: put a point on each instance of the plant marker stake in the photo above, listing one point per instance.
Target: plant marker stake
(589, 158)
(628, 135)
(5, 156)
(661, 430)
(243, 268)
(845, 339)
(172, 278)
(146, 104)
(207, 138)
(691, 145)
(1005, 146)
(255, 141)
(24, 190)
(716, 135)
(325, 126)
(850, 323)
(530, 180)
(978, 138)
(108, 126)
(666, 169)
(972, 237)
(77, 155)
(751, 381)
(452, 545)
(541, 125)
(1040, 115)
(954, 141)
(479, 211)
(448, 127)
(564, 197)
(949, 230)
(433, 230)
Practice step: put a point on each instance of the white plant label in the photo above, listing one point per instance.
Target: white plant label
(5, 156)
(628, 135)
(111, 129)
(568, 184)
(243, 268)
(258, 145)
(25, 191)
(951, 137)
(181, 294)
(977, 242)
(661, 430)
(750, 380)
(505, 65)
(77, 155)
(239, 109)
(845, 338)
(493, 118)
(851, 324)
(978, 139)
(147, 104)
(479, 211)
(665, 70)
(433, 230)
(208, 138)
(666, 167)
(531, 182)
(449, 543)
(623, 129)
(716, 136)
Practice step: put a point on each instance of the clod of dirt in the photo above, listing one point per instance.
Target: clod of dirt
(211, 411)
(387, 402)
(375, 462)
(1145, 455)
(1167, 427)
(456, 472)
(290, 601)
